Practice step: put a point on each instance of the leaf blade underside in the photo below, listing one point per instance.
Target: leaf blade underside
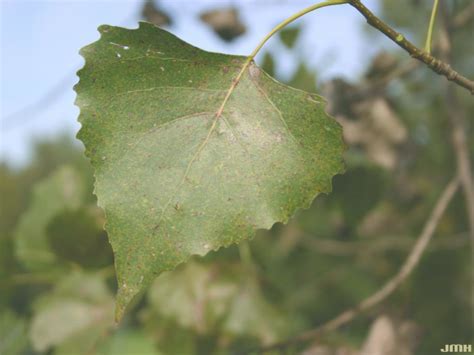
(176, 175)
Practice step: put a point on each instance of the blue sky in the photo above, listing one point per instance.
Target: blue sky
(40, 41)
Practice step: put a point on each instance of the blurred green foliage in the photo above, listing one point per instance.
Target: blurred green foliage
(57, 279)
(289, 36)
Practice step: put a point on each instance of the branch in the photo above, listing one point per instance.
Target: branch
(410, 263)
(459, 21)
(435, 64)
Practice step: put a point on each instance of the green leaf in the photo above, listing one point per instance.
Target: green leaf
(268, 64)
(13, 338)
(289, 36)
(185, 160)
(304, 78)
(358, 191)
(74, 316)
(251, 315)
(206, 297)
(128, 342)
(78, 236)
(195, 296)
(63, 189)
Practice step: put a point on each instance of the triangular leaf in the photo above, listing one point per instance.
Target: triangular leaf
(181, 170)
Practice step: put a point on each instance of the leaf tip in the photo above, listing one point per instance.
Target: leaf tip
(124, 297)
(119, 312)
(120, 307)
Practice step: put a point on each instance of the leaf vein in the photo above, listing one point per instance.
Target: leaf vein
(280, 115)
(168, 88)
(157, 128)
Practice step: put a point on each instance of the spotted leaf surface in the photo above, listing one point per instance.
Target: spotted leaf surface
(180, 169)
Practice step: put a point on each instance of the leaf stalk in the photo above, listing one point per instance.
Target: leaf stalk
(291, 19)
(429, 36)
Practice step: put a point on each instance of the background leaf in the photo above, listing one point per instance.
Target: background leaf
(225, 22)
(74, 316)
(195, 296)
(289, 35)
(128, 342)
(207, 297)
(13, 333)
(85, 241)
(62, 190)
